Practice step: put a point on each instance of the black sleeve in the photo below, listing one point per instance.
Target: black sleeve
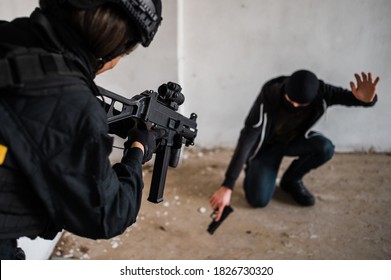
(248, 138)
(94, 199)
(339, 96)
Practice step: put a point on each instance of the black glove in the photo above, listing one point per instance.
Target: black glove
(147, 138)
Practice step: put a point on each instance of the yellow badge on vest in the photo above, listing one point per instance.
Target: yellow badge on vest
(3, 153)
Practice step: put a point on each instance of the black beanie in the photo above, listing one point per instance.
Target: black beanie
(302, 86)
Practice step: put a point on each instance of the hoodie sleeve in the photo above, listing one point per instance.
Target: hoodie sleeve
(250, 135)
(339, 96)
(247, 140)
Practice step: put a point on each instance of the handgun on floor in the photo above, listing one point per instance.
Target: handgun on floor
(215, 224)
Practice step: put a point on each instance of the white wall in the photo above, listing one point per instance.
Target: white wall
(231, 47)
(148, 68)
(222, 51)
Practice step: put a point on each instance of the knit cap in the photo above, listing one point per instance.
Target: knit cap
(302, 86)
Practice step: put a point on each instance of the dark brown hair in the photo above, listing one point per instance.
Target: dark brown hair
(106, 30)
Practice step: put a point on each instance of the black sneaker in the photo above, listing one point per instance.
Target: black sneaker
(299, 192)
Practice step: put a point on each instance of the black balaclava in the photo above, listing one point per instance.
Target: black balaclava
(302, 86)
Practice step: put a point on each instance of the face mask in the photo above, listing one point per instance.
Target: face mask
(289, 106)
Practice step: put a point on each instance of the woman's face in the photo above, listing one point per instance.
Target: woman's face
(112, 63)
(109, 65)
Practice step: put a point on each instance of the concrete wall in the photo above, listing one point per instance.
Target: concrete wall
(222, 51)
(229, 48)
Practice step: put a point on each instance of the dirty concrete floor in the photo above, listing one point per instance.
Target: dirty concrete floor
(350, 220)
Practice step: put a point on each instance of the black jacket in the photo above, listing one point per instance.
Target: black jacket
(54, 135)
(260, 122)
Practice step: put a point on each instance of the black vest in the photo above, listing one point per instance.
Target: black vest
(21, 211)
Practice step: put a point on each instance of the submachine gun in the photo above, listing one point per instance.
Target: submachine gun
(155, 110)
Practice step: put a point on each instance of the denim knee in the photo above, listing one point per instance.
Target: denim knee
(257, 202)
(326, 150)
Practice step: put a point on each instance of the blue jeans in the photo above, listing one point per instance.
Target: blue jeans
(261, 172)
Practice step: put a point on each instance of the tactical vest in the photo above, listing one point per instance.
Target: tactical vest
(22, 212)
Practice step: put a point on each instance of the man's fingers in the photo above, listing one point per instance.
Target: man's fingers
(370, 77)
(217, 209)
(376, 81)
(219, 213)
(364, 77)
(212, 203)
(353, 87)
(358, 78)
